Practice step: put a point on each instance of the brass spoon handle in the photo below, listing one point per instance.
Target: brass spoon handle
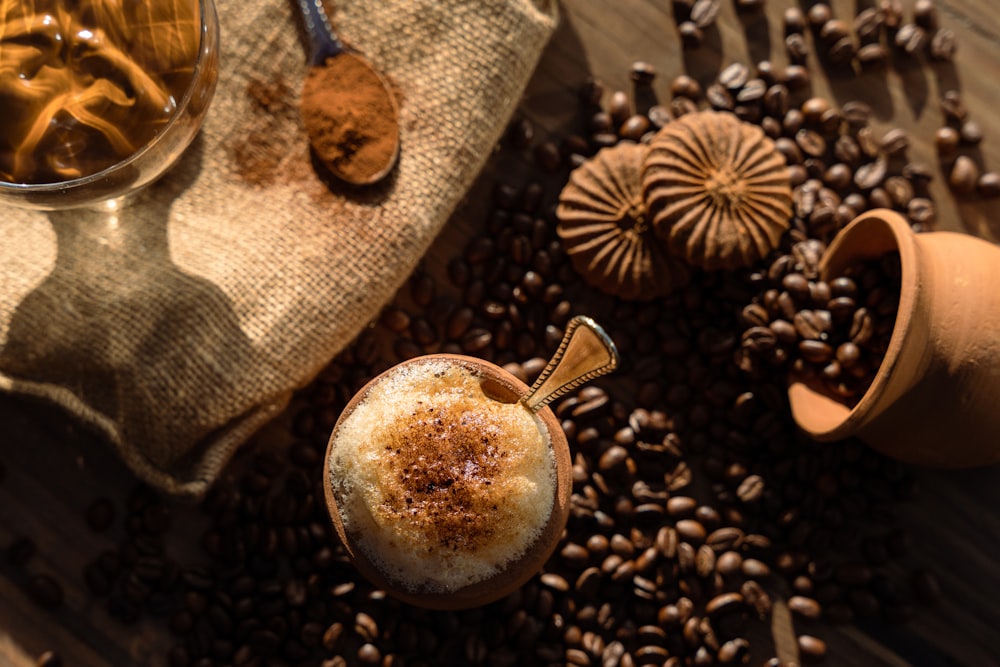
(586, 352)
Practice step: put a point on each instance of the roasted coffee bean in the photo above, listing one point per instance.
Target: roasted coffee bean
(812, 649)
(776, 100)
(895, 142)
(704, 561)
(811, 143)
(925, 14)
(679, 106)
(751, 488)
(759, 339)
(796, 77)
(642, 73)
(734, 76)
(911, 38)
(899, 190)
(591, 91)
(944, 44)
(988, 184)
(634, 127)
(619, 107)
(871, 174)
(814, 108)
(794, 21)
(819, 14)
(834, 30)
(839, 177)
(847, 151)
(946, 140)
(600, 122)
(691, 37)
(953, 107)
(805, 607)
(963, 175)
(685, 86)
(892, 12)
(520, 133)
(871, 56)
(812, 324)
(756, 598)
(681, 506)
(842, 51)
(691, 530)
(548, 156)
(868, 25)
(793, 121)
(719, 97)
(785, 332)
(49, 659)
(856, 113)
(970, 133)
(705, 12)
(752, 92)
(754, 315)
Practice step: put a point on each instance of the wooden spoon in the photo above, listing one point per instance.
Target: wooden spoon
(347, 107)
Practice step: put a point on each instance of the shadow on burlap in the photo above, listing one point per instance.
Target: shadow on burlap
(182, 324)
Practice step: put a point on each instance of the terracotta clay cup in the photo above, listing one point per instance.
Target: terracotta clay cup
(501, 385)
(933, 401)
(585, 353)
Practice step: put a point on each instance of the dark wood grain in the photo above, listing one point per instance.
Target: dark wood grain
(52, 471)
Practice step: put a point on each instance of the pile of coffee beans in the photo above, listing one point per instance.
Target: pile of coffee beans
(700, 514)
(697, 508)
(835, 332)
(872, 36)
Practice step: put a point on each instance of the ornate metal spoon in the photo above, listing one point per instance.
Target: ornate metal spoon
(586, 352)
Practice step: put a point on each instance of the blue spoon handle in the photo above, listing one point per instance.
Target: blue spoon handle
(323, 41)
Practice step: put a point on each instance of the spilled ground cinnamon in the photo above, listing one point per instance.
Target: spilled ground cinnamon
(351, 118)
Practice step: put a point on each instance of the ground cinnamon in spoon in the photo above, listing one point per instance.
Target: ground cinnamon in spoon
(351, 118)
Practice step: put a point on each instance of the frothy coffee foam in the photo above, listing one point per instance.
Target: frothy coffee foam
(440, 485)
(86, 83)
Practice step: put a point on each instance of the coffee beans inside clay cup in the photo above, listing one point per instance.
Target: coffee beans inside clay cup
(833, 332)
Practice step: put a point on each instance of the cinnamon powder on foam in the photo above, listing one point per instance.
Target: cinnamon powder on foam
(440, 485)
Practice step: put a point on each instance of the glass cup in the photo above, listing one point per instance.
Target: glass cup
(150, 160)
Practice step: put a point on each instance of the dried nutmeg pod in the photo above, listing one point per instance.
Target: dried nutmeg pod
(711, 171)
(607, 232)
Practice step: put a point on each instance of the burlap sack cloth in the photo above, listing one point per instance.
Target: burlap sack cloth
(184, 325)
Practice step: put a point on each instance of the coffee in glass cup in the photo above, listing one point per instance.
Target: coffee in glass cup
(99, 98)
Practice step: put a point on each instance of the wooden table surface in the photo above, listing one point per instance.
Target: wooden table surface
(50, 470)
